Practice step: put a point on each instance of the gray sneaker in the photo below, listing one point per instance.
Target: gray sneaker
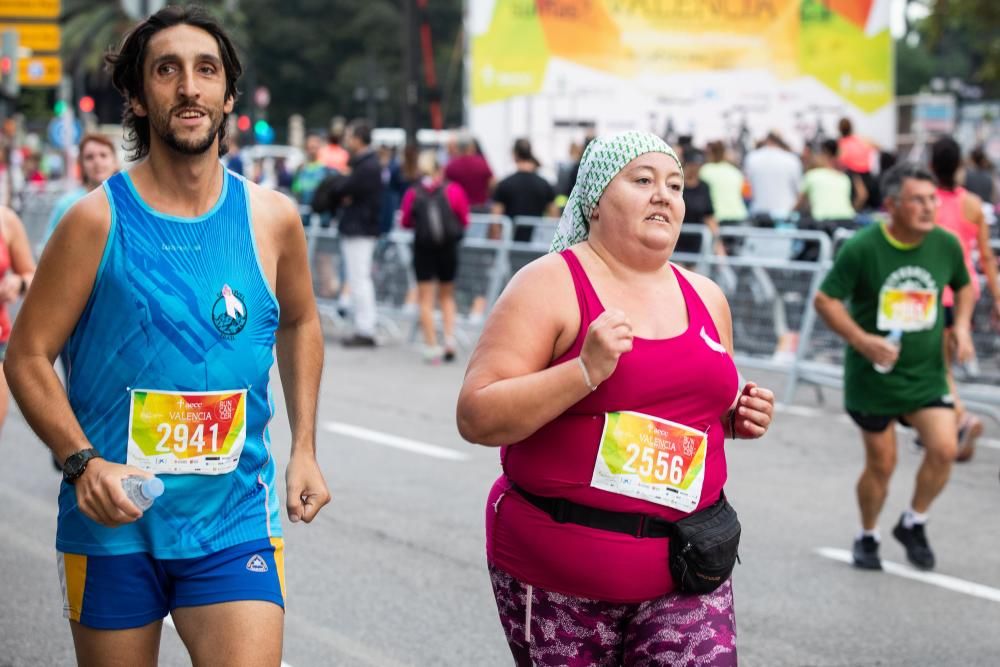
(914, 540)
(865, 553)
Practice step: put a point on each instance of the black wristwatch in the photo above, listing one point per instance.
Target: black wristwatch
(75, 464)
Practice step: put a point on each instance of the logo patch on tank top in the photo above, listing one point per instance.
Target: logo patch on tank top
(229, 312)
(712, 345)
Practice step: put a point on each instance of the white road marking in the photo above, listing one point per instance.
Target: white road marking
(988, 442)
(942, 580)
(396, 441)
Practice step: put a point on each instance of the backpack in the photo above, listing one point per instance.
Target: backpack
(435, 224)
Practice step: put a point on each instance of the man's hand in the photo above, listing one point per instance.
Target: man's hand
(100, 496)
(754, 411)
(877, 350)
(307, 492)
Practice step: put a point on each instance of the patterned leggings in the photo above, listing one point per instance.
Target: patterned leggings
(676, 629)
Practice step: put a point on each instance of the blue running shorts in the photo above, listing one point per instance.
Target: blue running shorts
(133, 590)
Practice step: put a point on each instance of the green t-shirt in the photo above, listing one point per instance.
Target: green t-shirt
(829, 193)
(892, 286)
(725, 185)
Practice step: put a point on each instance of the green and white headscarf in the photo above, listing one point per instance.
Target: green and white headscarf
(601, 162)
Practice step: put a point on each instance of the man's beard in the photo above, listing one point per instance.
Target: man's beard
(160, 124)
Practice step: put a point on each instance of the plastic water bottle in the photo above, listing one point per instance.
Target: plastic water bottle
(143, 491)
(895, 338)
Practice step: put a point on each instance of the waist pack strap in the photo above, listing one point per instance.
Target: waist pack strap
(629, 523)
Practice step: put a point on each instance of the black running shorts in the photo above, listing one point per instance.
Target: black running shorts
(435, 263)
(879, 423)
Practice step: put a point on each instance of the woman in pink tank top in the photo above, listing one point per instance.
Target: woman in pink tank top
(961, 213)
(17, 268)
(606, 375)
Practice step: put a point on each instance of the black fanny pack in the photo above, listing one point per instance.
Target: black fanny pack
(703, 546)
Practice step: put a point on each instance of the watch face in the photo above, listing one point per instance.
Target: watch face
(76, 463)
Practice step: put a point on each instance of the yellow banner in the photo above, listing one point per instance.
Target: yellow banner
(36, 36)
(844, 44)
(35, 9)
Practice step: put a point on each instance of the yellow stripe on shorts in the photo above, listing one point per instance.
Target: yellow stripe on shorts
(279, 561)
(74, 571)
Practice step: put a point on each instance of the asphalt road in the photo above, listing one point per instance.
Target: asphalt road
(393, 571)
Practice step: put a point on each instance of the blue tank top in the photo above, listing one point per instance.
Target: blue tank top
(168, 369)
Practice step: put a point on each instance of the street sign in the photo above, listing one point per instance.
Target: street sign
(36, 36)
(34, 9)
(57, 132)
(40, 71)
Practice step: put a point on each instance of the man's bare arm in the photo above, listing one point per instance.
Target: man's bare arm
(59, 292)
(299, 348)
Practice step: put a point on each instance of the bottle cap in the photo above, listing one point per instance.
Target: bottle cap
(152, 487)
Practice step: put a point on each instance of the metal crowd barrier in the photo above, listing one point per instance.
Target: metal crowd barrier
(770, 294)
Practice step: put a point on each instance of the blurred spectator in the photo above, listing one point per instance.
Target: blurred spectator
(234, 158)
(524, 192)
(725, 183)
(361, 195)
(304, 187)
(571, 182)
(97, 161)
(312, 172)
(438, 212)
(774, 174)
(832, 195)
(393, 187)
(17, 270)
(32, 171)
(698, 209)
(333, 155)
(470, 170)
(979, 176)
(857, 157)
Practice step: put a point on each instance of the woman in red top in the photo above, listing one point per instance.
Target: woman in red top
(606, 374)
(17, 268)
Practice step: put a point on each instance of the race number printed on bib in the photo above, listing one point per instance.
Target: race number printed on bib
(651, 459)
(187, 432)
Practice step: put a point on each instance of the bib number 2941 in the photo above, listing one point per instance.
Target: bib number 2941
(187, 432)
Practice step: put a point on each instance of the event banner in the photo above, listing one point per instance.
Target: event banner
(711, 67)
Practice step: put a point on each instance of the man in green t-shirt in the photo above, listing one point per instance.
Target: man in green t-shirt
(892, 275)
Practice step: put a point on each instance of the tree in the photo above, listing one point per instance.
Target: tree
(969, 27)
(323, 59)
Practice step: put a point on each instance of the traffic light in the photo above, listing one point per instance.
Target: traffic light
(263, 132)
(10, 86)
(243, 123)
(86, 104)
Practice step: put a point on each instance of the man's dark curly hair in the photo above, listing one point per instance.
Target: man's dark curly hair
(126, 66)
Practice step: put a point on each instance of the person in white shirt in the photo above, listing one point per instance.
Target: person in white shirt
(775, 176)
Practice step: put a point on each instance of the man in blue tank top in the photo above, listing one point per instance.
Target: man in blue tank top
(169, 290)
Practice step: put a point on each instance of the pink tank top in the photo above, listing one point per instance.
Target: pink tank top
(5, 324)
(683, 379)
(951, 217)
